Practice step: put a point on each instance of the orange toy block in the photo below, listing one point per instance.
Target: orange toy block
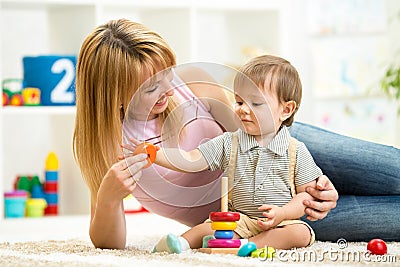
(148, 149)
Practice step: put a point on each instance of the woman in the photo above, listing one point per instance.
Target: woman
(114, 61)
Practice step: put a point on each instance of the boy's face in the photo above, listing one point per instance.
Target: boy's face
(259, 110)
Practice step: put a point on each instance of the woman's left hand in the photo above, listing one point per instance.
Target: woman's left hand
(326, 198)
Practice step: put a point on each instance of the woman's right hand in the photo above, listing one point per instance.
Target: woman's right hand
(120, 180)
(107, 227)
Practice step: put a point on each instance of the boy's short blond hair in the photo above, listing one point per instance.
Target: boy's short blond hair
(269, 72)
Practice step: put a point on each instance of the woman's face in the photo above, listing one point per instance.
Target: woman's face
(152, 97)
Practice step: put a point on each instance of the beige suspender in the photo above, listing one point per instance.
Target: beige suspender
(292, 164)
(233, 159)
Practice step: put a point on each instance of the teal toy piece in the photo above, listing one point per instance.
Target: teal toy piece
(14, 203)
(247, 249)
(205, 240)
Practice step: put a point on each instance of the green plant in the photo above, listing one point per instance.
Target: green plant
(390, 83)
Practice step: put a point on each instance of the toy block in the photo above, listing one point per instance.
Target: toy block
(53, 75)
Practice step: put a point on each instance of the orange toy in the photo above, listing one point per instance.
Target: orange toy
(16, 100)
(149, 149)
(5, 99)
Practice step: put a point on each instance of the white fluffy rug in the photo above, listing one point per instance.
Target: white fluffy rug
(80, 252)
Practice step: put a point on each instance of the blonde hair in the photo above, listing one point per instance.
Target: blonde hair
(109, 70)
(273, 73)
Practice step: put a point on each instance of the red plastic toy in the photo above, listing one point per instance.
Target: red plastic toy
(5, 99)
(220, 216)
(377, 247)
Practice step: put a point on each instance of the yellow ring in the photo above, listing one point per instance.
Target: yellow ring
(223, 225)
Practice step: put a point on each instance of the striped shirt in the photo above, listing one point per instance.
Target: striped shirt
(262, 173)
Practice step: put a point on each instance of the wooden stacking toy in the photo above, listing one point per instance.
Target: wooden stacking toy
(223, 222)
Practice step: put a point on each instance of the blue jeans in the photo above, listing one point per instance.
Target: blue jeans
(367, 177)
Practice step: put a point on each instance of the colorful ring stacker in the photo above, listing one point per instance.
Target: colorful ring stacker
(224, 243)
(223, 225)
(224, 216)
(223, 234)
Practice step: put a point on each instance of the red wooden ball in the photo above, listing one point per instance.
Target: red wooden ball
(377, 247)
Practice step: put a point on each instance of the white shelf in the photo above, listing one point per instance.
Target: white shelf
(41, 3)
(39, 110)
(239, 4)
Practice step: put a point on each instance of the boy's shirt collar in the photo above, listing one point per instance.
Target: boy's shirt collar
(278, 145)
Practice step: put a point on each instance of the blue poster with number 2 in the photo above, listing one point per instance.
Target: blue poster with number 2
(54, 75)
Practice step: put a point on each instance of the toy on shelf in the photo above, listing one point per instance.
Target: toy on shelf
(14, 203)
(35, 207)
(12, 92)
(54, 75)
(51, 184)
(37, 199)
(37, 188)
(30, 184)
(6, 99)
(15, 93)
(31, 96)
(16, 100)
(23, 182)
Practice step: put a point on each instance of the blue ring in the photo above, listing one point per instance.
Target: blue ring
(223, 234)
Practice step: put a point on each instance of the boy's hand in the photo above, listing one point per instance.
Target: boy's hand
(137, 147)
(274, 214)
(130, 146)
